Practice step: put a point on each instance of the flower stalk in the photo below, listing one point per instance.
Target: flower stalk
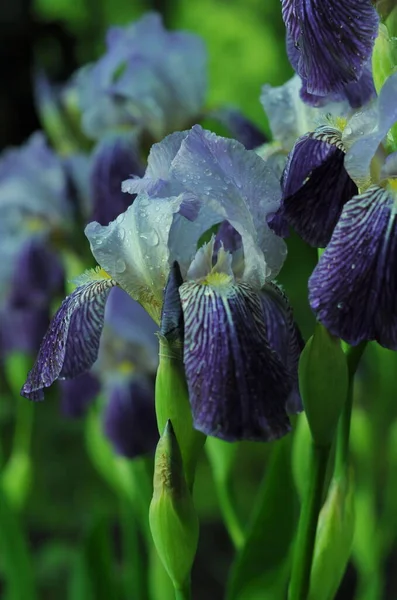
(305, 539)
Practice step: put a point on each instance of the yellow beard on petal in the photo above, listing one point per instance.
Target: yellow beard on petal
(217, 280)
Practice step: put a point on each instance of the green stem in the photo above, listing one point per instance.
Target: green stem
(305, 540)
(230, 518)
(183, 593)
(353, 356)
(134, 567)
(23, 426)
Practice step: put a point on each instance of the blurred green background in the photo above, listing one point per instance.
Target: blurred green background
(68, 497)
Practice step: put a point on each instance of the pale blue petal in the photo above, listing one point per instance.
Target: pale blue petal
(133, 249)
(359, 156)
(236, 185)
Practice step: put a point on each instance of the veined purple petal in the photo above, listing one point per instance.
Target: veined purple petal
(77, 394)
(129, 418)
(114, 159)
(316, 186)
(238, 387)
(335, 40)
(71, 343)
(284, 337)
(172, 326)
(353, 289)
(239, 126)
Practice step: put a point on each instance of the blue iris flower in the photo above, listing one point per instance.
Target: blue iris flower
(241, 345)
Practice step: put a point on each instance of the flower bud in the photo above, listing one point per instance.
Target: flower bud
(334, 539)
(172, 402)
(172, 517)
(323, 382)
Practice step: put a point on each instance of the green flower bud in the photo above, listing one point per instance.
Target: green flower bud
(172, 516)
(323, 382)
(334, 539)
(172, 403)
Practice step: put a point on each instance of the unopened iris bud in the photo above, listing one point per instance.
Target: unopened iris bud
(172, 396)
(323, 382)
(172, 517)
(334, 539)
(172, 402)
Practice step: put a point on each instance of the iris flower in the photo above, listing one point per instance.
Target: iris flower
(153, 82)
(353, 288)
(202, 204)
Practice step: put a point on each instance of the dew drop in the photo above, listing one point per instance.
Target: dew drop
(340, 305)
(120, 265)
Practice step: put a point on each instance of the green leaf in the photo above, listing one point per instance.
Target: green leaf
(222, 457)
(14, 552)
(260, 569)
(323, 382)
(94, 577)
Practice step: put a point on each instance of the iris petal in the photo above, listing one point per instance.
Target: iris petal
(284, 337)
(335, 40)
(353, 288)
(129, 417)
(316, 186)
(77, 394)
(361, 153)
(71, 343)
(239, 186)
(238, 387)
(114, 159)
(133, 249)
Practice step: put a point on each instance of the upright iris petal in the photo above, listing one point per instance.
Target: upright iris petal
(71, 343)
(334, 39)
(316, 186)
(114, 159)
(353, 289)
(237, 384)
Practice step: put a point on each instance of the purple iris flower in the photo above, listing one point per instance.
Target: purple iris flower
(123, 376)
(137, 83)
(36, 213)
(240, 342)
(153, 82)
(354, 286)
(329, 45)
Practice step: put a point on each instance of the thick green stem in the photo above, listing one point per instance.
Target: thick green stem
(306, 536)
(353, 355)
(183, 593)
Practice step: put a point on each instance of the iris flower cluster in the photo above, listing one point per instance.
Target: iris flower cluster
(101, 123)
(205, 218)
